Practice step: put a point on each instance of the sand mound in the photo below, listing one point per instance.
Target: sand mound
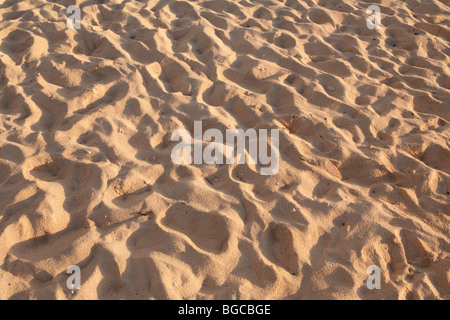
(86, 177)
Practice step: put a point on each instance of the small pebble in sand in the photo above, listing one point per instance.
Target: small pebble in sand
(294, 210)
(120, 131)
(330, 88)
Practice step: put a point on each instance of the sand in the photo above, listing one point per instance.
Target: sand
(86, 177)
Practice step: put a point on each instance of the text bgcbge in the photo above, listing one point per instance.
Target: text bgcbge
(246, 309)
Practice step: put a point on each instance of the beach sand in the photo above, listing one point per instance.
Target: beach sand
(86, 176)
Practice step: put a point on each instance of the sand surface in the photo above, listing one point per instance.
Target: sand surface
(86, 118)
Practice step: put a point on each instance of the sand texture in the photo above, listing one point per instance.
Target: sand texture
(86, 177)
